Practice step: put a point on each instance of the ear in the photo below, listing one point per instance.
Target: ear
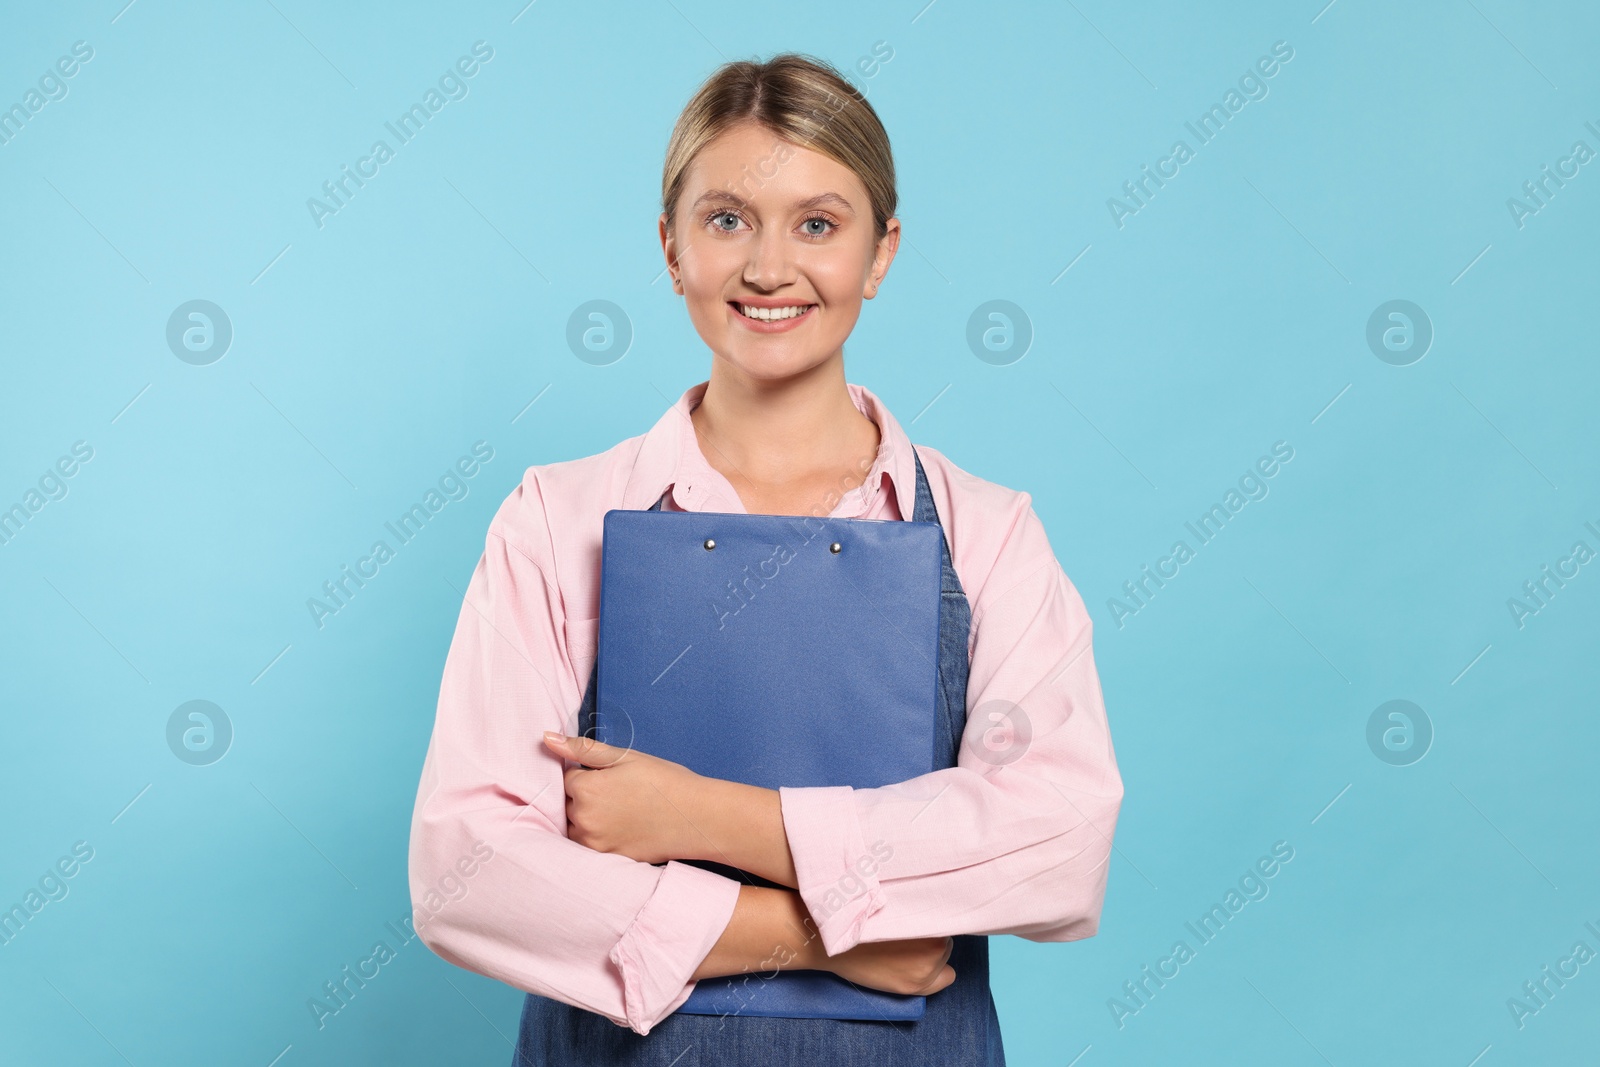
(882, 255)
(669, 249)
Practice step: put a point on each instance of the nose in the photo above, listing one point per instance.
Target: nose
(769, 265)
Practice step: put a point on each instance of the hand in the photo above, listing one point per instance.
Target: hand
(918, 966)
(627, 802)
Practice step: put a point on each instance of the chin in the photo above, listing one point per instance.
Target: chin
(774, 365)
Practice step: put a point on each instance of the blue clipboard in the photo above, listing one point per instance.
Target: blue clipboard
(773, 650)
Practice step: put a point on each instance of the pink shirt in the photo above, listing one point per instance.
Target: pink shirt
(1015, 839)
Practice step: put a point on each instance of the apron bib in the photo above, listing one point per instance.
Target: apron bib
(959, 1026)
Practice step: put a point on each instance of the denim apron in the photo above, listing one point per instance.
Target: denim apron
(959, 1025)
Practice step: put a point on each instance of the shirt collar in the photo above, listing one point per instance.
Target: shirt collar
(670, 453)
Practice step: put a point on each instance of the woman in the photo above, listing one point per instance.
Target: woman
(535, 860)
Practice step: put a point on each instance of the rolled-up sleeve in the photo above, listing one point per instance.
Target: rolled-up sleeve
(496, 885)
(1016, 838)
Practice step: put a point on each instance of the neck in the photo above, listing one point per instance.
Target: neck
(776, 431)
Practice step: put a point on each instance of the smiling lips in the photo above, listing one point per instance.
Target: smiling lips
(771, 319)
(770, 314)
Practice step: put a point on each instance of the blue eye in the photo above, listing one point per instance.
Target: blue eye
(807, 230)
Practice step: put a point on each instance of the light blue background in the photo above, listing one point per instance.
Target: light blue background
(1227, 314)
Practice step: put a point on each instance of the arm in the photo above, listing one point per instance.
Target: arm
(630, 803)
(769, 928)
(497, 887)
(741, 825)
(770, 931)
(1014, 839)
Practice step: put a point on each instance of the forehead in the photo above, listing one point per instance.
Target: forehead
(759, 166)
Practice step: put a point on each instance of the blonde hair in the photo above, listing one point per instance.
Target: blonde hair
(799, 98)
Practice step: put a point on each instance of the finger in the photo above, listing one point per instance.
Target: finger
(945, 976)
(586, 750)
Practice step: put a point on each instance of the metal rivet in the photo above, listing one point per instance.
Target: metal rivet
(710, 544)
(834, 547)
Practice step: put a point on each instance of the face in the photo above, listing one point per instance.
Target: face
(773, 251)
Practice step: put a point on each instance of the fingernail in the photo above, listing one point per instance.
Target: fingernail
(551, 735)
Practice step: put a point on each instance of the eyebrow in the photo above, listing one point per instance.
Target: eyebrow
(723, 196)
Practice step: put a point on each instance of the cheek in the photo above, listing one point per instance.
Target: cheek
(703, 255)
(840, 272)
(709, 271)
(839, 282)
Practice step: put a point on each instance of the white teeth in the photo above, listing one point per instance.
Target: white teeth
(772, 314)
